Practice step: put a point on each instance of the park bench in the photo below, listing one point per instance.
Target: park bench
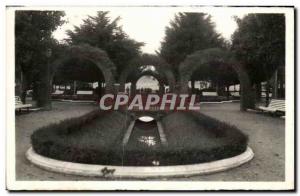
(235, 94)
(211, 97)
(275, 106)
(57, 94)
(264, 94)
(210, 94)
(85, 95)
(19, 105)
(84, 92)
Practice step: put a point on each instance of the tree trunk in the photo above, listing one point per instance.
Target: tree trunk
(44, 90)
(34, 91)
(281, 88)
(74, 92)
(212, 84)
(43, 98)
(247, 94)
(133, 89)
(258, 91)
(24, 88)
(267, 93)
(275, 85)
(161, 88)
(18, 88)
(193, 85)
(220, 89)
(227, 93)
(99, 89)
(217, 88)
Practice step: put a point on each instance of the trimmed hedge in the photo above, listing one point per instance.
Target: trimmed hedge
(96, 138)
(199, 138)
(86, 139)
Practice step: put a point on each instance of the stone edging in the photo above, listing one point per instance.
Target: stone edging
(206, 102)
(74, 101)
(138, 171)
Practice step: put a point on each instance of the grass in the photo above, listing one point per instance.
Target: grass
(96, 138)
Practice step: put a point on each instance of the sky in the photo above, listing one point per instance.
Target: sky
(148, 24)
(147, 82)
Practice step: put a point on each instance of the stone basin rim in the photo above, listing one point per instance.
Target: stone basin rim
(93, 170)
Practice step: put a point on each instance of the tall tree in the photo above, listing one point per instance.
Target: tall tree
(102, 32)
(259, 42)
(34, 41)
(187, 33)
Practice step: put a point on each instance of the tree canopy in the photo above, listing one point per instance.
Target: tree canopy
(103, 32)
(187, 33)
(259, 42)
(33, 34)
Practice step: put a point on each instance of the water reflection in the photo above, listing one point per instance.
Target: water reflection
(148, 140)
(146, 119)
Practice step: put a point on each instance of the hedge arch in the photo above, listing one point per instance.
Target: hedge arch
(149, 73)
(156, 75)
(199, 58)
(162, 69)
(95, 55)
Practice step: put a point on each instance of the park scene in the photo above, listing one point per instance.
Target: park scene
(92, 102)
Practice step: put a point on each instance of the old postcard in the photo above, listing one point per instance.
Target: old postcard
(155, 97)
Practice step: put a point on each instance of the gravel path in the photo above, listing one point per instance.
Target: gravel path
(25, 126)
(266, 138)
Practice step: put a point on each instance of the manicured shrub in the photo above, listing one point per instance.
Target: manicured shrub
(81, 139)
(96, 138)
(199, 137)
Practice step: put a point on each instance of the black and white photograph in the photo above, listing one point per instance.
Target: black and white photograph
(150, 98)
